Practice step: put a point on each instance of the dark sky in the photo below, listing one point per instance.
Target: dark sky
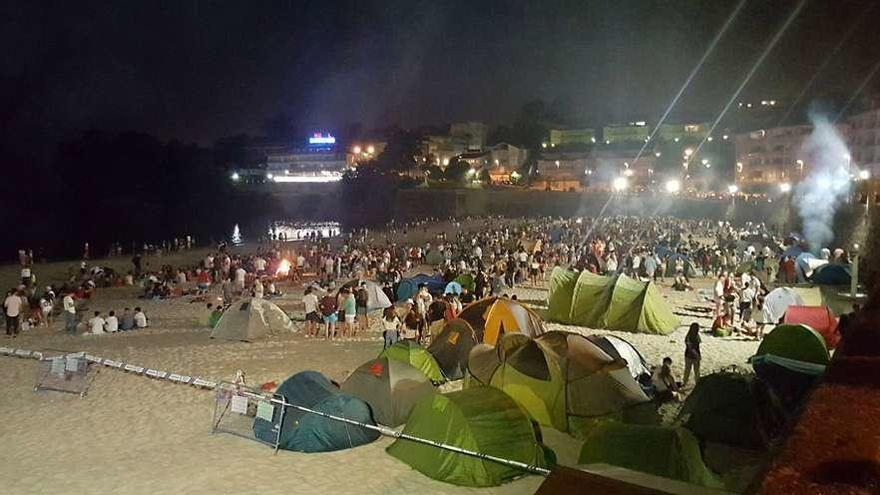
(199, 70)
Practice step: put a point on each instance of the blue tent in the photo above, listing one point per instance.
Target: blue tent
(556, 233)
(452, 288)
(832, 274)
(794, 251)
(306, 432)
(409, 286)
(802, 266)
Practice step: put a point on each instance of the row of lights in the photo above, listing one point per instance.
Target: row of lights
(608, 141)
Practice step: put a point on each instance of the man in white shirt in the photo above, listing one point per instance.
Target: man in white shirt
(240, 275)
(111, 324)
(140, 319)
(260, 265)
(96, 324)
(12, 305)
(69, 314)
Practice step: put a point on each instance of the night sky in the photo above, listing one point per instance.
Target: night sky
(198, 71)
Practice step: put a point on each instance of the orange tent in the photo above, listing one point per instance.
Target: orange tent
(819, 318)
(493, 316)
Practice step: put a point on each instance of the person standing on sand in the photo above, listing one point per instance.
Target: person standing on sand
(12, 306)
(69, 308)
(692, 354)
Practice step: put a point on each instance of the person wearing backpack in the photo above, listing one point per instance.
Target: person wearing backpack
(329, 309)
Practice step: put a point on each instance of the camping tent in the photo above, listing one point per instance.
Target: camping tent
(555, 376)
(492, 316)
(411, 353)
(616, 303)
(819, 318)
(792, 251)
(832, 274)
(306, 432)
(778, 301)
(452, 288)
(805, 264)
(790, 379)
(434, 257)
(690, 270)
(466, 280)
(390, 387)
(451, 348)
(251, 319)
(658, 450)
(409, 286)
(732, 409)
(482, 419)
(619, 348)
(376, 297)
(797, 342)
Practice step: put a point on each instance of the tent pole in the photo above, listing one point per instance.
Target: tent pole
(399, 434)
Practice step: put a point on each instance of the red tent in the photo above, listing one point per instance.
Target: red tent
(817, 317)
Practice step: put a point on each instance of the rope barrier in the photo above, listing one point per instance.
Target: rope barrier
(117, 365)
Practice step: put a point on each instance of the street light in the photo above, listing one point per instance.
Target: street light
(356, 150)
(688, 151)
(620, 183)
(235, 176)
(785, 187)
(371, 149)
(673, 186)
(733, 189)
(270, 176)
(865, 174)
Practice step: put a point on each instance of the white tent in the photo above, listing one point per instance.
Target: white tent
(612, 344)
(778, 301)
(251, 319)
(376, 299)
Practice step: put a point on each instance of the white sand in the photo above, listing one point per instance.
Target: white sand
(136, 435)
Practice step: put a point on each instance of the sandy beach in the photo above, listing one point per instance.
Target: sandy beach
(133, 434)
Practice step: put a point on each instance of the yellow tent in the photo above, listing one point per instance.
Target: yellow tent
(493, 316)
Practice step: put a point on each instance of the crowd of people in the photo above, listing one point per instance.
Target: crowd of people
(498, 254)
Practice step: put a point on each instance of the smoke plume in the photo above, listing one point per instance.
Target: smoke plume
(828, 184)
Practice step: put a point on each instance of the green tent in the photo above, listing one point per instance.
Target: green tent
(562, 284)
(390, 387)
(466, 280)
(483, 420)
(616, 303)
(416, 356)
(732, 409)
(658, 450)
(797, 342)
(452, 346)
(555, 377)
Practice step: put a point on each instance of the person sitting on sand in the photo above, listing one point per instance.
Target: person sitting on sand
(140, 319)
(127, 320)
(111, 324)
(664, 382)
(681, 284)
(96, 325)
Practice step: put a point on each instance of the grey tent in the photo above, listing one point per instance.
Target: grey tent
(390, 387)
(251, 319)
